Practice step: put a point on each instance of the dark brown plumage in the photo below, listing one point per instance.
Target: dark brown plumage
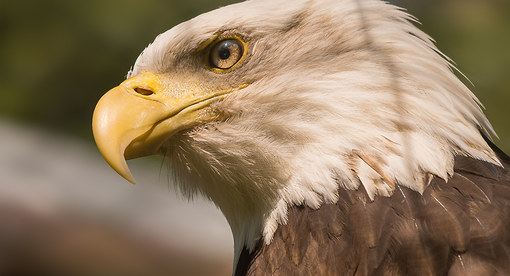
(455, 228)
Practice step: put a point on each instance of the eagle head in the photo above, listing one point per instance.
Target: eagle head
(267, 104)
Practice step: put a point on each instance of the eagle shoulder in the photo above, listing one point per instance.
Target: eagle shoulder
(454, 227)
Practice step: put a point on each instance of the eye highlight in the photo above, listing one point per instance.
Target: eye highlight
(226, 53)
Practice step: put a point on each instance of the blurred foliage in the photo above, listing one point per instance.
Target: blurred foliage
(58, 57)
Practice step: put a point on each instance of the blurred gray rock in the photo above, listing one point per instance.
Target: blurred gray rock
(64, 211)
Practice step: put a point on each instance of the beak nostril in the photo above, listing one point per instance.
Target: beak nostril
(144, 91)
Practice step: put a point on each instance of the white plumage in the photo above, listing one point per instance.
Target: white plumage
(357, 95)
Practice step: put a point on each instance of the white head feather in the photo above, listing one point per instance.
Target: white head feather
(343, 94)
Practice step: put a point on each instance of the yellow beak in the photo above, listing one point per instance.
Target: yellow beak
(135, 118)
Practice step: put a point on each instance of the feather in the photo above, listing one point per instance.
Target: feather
(373, 104)
(444, 231)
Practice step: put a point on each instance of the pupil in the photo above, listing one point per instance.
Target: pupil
(224, 53)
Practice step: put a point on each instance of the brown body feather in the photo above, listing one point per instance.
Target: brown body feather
(459, 227)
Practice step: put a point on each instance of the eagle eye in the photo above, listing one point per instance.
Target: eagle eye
(226, 53)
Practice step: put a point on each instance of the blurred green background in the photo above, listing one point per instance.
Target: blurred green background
(58, 57)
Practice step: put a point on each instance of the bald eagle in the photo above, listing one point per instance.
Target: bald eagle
(333, 135)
